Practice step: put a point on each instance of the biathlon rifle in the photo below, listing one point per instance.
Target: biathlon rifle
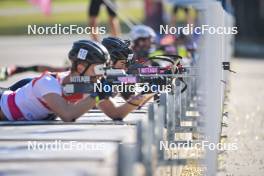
(140, 75)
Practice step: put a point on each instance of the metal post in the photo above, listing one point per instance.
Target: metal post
(211, 82)
(171, 123)
(178, 104)
(139, 144)
(160, 125)
(126, 159)
(164, 104)
(148, 141)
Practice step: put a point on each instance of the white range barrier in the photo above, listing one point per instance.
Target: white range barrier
(204, 97)
(216, 50)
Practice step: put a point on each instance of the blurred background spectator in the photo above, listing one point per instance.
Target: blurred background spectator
(94, 10)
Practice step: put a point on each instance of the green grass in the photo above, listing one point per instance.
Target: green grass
(13, 25)
(41, 19)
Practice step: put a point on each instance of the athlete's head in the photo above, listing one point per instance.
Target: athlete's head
(142, 36)
(119, 51)
(88, 57)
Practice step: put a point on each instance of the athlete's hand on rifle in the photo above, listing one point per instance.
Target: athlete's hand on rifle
(105, 92)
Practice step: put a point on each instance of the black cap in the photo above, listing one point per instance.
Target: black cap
(90, 51)
(118, 48)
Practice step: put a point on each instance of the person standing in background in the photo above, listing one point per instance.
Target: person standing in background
(94, 9)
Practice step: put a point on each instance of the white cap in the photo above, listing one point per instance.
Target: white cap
(142, 31)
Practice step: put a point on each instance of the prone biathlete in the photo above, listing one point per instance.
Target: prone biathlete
(120, 52)
(43, 97)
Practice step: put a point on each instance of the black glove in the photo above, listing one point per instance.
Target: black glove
(127, 94)
(103, 91)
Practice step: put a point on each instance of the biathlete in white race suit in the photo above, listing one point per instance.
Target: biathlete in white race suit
(43, 96)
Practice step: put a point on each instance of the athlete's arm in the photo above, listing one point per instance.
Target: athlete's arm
(120, 112)
(68, 112)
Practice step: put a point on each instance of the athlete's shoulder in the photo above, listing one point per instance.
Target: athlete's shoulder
(61, 75)
(45, 78)
(46, 83)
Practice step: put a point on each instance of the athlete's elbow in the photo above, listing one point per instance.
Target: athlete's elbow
(117, 116)
(67, 117)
